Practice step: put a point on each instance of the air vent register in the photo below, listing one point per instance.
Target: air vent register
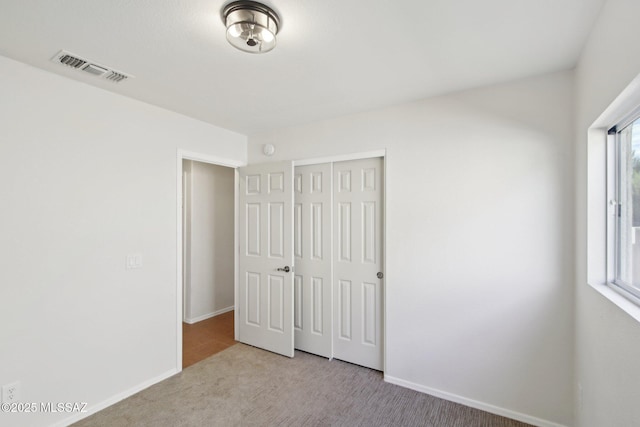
(90, 67)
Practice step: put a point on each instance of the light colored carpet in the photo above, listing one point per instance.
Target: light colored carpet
(245, 386)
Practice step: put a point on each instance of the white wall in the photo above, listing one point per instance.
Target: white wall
(479, 239)
(211, 229)
(608, 339)
(86, 177)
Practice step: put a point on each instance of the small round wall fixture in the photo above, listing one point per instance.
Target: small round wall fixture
(268, 149)
(251, 26)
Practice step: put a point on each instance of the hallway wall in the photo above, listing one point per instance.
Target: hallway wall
(210, 264)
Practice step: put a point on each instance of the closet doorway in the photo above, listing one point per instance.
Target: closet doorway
(311, 259)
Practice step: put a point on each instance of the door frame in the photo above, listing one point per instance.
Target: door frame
(214, 160)
(341, 158)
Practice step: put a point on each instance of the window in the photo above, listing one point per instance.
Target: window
(625, 206)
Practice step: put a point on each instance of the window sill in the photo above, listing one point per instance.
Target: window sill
(620, 298)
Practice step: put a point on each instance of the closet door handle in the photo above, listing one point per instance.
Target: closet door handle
(286, 269)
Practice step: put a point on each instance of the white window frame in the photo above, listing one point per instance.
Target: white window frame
(593, 249)
(614, 207)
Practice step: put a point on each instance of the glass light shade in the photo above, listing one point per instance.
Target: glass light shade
(251, 37)
(251, 26)
(234, 31)
(268, 37)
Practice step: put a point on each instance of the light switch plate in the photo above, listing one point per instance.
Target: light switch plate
(133, 261)
(11, 392)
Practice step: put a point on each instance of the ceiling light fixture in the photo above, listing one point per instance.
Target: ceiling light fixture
(251, 26)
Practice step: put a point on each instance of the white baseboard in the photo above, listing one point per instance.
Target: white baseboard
(114, 399)
(472, 403)
(193, 320)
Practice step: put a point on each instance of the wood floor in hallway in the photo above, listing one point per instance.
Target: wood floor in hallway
(206, 338)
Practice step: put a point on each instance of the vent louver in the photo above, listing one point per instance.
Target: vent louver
(90, 67)
(116, 77)
(72, 61)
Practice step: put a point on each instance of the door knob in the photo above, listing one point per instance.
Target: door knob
(380, 275)
(286, 269)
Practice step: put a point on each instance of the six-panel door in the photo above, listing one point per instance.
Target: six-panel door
(358, 291)
(313, 256)
(265, 291)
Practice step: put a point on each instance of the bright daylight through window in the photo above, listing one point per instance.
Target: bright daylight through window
(626, 207)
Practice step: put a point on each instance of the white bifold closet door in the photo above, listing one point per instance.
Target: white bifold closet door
(338, 294)
(358, 251)
(329, 219)
(312, 251)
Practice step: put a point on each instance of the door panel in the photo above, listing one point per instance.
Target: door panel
(317, 305)
(369, 315)
(276, 303)
(252, 311)
(312, 237)
(253, 229)
(358, 239)
(344, 231)
(344, 309)
(265, 306)
(276, 230)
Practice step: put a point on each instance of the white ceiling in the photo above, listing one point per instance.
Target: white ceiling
(334, 57)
